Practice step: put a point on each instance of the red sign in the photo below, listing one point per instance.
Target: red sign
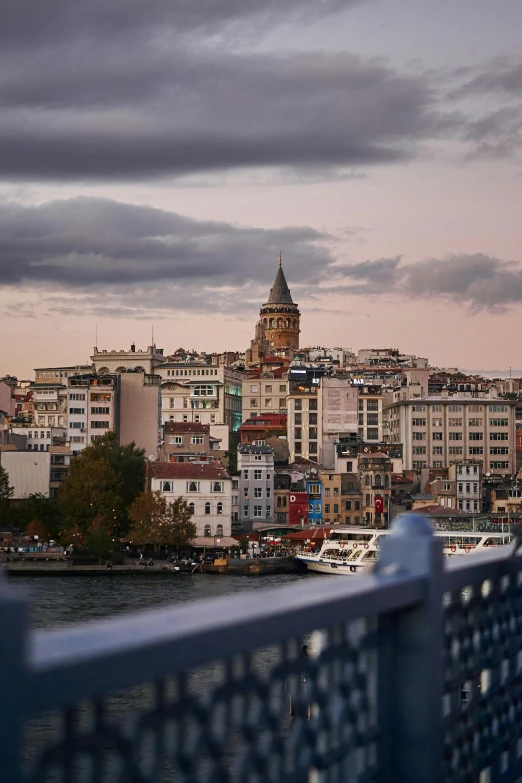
(379, 504)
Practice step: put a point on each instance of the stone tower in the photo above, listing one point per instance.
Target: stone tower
(280, 316)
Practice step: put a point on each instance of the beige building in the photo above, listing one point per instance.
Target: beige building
(60, 374)
(338, 402)
(183, 438)
(106, 362)
(370, 421)
(139, 419)
(50, 404)
(304, 415)
(91, 409)
(264, 395)
(29, 473)
(375, 471)
(202, 393)
(440, 431)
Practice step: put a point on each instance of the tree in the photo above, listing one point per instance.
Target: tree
(161, 524)
(231, 458)
(41, 516)
(104, 480)
(6, 493)
(99, 540)
(92, 490)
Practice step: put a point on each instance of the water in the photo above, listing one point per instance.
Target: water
(57, 601)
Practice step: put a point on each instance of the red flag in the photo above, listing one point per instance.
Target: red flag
(379, 504)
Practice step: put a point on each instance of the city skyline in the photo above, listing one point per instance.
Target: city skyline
(153, 165)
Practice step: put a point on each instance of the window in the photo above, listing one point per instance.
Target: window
(268, 388)
(349, 467)
(498, 450)
(298, 447)
(357, 505)
(313, 448)
(197, 418)
(282, 387)
(348, 505)
(175, 440)
(419, 464)
(253, 402)
(327, 508)
(197, 440)
(268, 402)
(372, 433)
(372, 418)
(258, 475)
(73, 425)
(258, 492)
(498, 436)
(310, 508)
(475, 408)
(245, 474)
(437, 463)
(476, 422)
(245, 509)
(191, 509)
(372, 405)
(312, 433)
(447, 487)
(312, 405)
(455, 449)
(498, 422)
(312, 419)
(219, 528)
(298, 405)
(202, 391)
(422, 435)
(217, 486)
(455, 408)
(461, 487)
(336, 508)
(207, 532)
(257, 457)
(436, 408)
(207, 507)
(498, 408)
(166, 486)
(418, 450)
(419, 408)
(99, 410)
(419, 422)
(455, 422)
(298, 433)
(192, 486)
(254, 388)
(77, 411)
(368, 499)
(438, 450)
(476, 450)
(499, 465)
(314, 489)
(298, 419)
(476, 435)
(436, 423)
(455, 436)
(327, 492)
(258, 511)
(100, 425)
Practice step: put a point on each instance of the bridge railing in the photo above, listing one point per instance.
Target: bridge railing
(412, 673)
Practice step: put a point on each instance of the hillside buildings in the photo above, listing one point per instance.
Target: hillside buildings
(255, 465)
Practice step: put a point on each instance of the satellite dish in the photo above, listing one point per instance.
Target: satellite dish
(152, 457)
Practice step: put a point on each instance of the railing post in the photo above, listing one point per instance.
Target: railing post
(411, 669)
(13, 679)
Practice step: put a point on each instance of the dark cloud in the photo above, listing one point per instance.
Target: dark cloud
(180, 112)
(88, 243)
(501, 76)
(479, 281)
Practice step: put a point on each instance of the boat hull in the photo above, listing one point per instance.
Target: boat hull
(324, 566)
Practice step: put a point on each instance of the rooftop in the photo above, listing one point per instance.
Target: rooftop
(280, 292)
(247, 449)
(189, 470)
(186, 426)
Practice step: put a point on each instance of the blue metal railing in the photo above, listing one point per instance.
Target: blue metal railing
(411, 673)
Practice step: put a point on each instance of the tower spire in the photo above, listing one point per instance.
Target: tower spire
(280, 258)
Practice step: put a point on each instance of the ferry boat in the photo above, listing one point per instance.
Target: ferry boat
(351, 551)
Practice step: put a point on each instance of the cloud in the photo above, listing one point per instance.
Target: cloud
(112, 257)
(477, 280)
(501, 75)
(179, 112)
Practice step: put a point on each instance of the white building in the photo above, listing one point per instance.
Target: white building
(206, 486)
(264, 395)
(91, 409)
(107, 362)
(256, 483)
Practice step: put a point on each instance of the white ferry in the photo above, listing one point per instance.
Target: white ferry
(350, 552)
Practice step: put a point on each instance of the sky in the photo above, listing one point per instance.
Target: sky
(155, 158)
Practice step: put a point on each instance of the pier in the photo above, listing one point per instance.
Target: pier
(411, 673)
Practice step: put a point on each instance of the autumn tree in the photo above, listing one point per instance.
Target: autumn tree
(41, 516)
(161, 524)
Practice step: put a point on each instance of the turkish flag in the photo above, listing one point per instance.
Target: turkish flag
(379, 504)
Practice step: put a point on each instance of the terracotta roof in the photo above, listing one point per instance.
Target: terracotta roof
(186, 426)
(189, 470)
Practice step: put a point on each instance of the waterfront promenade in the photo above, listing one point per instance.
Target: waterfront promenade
(411, 673)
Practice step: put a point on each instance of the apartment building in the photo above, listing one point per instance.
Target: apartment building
(264, 395)
(200, 392)
(462, 489)
(91, 408)
(438, 431)
(256, 483)
(60, 374)
(184, 437)
(338, 401)
(50, 404)
(375, 471)
(370, 421)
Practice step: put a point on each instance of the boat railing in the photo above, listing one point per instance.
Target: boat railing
(356, 679)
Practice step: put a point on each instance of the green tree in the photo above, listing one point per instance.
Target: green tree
(92, 490)
(161, 524)
(104, 480)
(41, 516)
(99, 540)
(231, 458)
(6, 493)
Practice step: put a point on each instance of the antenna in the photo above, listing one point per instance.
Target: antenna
(96, 337)
(152, 336)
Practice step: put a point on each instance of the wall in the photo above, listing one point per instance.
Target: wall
(139, 413)
(29, 472)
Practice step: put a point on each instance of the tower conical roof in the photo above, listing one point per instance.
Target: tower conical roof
(280, 293)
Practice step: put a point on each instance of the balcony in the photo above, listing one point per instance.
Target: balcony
(323, 680)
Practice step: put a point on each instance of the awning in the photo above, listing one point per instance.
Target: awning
(211, 542)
